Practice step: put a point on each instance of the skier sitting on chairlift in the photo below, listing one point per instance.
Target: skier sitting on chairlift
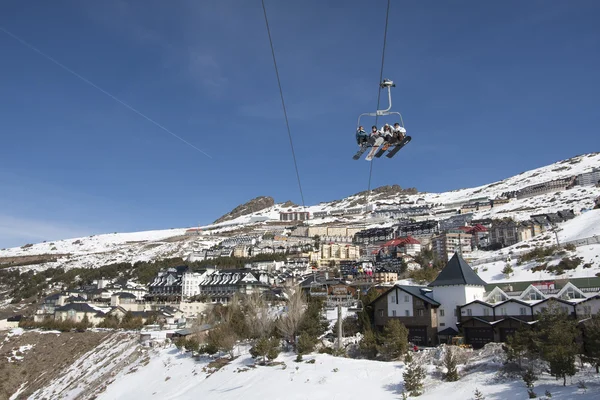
(363, 139)
(386, 132)
(374, 134)
(361, 136)
(398, 132)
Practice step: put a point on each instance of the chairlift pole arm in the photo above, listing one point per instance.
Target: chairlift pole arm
(382, 112)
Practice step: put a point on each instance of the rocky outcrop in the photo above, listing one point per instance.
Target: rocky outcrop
(390, 191)
(254, 205)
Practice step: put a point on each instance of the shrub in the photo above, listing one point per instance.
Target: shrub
(570, 247)
(539, 253)
(306, 344)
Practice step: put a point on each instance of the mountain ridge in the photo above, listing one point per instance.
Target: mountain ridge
(97, 250)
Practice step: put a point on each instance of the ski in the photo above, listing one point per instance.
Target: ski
(382, 150)
(360, 152)
(378, 143)
(397, 148)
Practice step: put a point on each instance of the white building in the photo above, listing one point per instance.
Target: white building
(190, 282)
(456, 285)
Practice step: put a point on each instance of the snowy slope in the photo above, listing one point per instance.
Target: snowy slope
(98, 250)
(582, 226)
(171, 375)
(586, 225)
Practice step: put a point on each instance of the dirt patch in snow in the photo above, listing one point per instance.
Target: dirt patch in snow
(45, 356)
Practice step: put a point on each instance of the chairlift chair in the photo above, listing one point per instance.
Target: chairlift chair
(381, 113)
(357, 306)
(318, 289)
(386, 84)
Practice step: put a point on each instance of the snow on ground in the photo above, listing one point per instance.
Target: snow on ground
(91, 244)
(171, 374)
(17, 354)
(586, 225)
(492, 272)
(583, 226)
(95, 368)
(98, 250)
(15, 332)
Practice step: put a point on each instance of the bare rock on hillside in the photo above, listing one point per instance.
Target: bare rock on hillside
(254, 205)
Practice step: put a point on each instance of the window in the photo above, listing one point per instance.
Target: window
(442, 324)
(523, 311)
(406, 299)
(441, 313)
(420, 312)
(587, 310)
(392, 299)
(469, 312)
(381, 313)
(407, 313)
(393, 313)
(486, 312)
(502, 310)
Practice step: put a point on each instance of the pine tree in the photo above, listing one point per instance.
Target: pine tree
(368, 345)
(523, 343)
(274, 348)
(413, 377)
(394, 339)
(260, 349)
(558, 334)
(529, 377)
(450, 364)
(306, 344)
(591, 341)
(365, 316)
(478, 395)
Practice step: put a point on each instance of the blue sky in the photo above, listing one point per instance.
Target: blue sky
(487, 90)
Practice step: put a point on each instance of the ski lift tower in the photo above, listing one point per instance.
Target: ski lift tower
(339, 300)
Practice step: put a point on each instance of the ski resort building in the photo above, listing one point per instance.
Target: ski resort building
(499, 314)
(431, 313)
(294, 216)
(455, 221)
(374, 235)
(190, 282)
(414, 308)
(457, 284)
(546, 187)
(472, 207)
(167, 283)
(221, 285)
(423, 228)
(446, 244)
(506, 232)
(591, 178)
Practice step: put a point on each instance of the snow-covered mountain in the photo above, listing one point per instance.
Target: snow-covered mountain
(98, 250)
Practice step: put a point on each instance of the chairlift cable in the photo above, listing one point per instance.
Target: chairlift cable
(387, 14)
(287, 123)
